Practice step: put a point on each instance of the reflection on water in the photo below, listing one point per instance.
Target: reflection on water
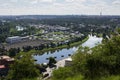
(92, 41)
(64, 53)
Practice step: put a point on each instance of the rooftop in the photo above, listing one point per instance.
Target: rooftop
(14, 37)
(7, 58)
(2, 66)
(68, 59)
(4, 57)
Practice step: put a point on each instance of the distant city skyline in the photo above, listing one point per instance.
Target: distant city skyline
(59, 7)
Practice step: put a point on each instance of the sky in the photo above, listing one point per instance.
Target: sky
(59, 7)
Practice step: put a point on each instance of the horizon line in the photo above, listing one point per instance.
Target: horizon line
(59, 15)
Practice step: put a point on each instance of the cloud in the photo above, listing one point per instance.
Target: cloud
(116, 2)
(34, 2)
(46, 0)
(14, 1)
(41, 1)
(75, 1)
(59, 7)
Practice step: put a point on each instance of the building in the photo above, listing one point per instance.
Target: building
(5, 62)
(68, 61)
(19, 28)
(3, 70)
(13, 39)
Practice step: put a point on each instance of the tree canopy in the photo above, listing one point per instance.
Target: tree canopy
(23, 68)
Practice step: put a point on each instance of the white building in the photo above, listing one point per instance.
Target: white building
(13, 39)
(68, 61)
(20, 28)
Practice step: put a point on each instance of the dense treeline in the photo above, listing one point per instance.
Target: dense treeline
(83, 24)
(99, 63)
(8, 29)
(4, 31)
(89, 23)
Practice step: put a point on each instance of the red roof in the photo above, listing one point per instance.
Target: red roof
(2, 66)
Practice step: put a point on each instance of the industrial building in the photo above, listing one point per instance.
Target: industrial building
(14, 39)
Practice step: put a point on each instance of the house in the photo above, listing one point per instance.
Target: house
(3, 70)
(5, 62)
(68, 62)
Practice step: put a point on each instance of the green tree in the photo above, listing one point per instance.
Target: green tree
(23, 68)
(62, 73)
(52, 61)
(102, 61)
(12, 52)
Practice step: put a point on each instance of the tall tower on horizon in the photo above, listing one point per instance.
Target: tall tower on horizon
(101, 13)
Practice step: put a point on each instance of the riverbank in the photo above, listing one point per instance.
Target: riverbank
(56, 48)
(59, 64)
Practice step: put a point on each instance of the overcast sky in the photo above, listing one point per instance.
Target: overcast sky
(59, 7)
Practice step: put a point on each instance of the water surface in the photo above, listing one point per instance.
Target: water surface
(64, 53)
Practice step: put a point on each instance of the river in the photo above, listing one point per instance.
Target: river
(64, 53)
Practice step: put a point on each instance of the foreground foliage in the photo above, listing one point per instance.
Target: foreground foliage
(100, 63)
(23, 68)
